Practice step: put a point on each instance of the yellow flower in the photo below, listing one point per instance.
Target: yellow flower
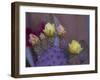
(60, 30)
(75, 47)
(49, 30)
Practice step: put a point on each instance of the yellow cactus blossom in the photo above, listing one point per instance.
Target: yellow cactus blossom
(49, 30)
(75, 47)
(60, 30)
